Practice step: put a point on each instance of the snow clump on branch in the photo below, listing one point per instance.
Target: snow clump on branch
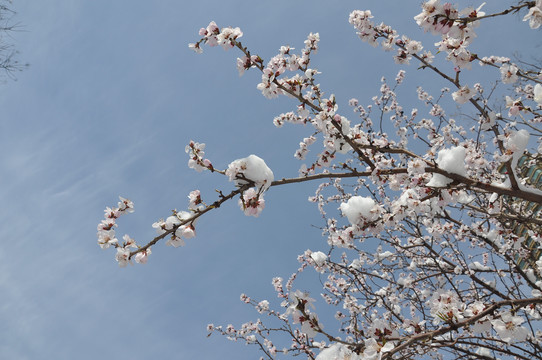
(360, 210)
(251, 169)
(451, 160)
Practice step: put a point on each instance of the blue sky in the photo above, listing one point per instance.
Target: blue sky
(111, 98)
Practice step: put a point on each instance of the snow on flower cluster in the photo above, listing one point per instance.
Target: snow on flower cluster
(252, 171)
(338, 351)
(360, 210)
(451, 160)
(180, 227)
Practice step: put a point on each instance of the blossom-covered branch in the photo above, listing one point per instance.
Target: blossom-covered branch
(433, 224)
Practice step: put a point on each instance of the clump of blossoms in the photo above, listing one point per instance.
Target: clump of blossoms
(107, 237)
(432, 221)
(196, 160)
(251, 203)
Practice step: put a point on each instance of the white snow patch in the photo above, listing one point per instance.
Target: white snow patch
(337, 351)
(250, 168)
(319, 258)
(359, 209)
(450, 160)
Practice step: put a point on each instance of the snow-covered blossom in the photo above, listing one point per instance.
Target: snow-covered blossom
(319, 258)
(516, 143)
(359, 210)
(337, 351)
(477, 266)
(172, 222)
(251, 169)
(451, 160)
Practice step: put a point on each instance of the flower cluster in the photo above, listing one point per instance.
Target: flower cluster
(195, 157)
(180, 225)
(272, 86)
(213, 36)
(251, 203)
(107, 236)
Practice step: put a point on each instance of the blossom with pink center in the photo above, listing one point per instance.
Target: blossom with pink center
(252, 203)
(508, 328)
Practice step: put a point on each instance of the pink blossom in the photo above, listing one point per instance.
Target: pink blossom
(252, 203)
(508, 328)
